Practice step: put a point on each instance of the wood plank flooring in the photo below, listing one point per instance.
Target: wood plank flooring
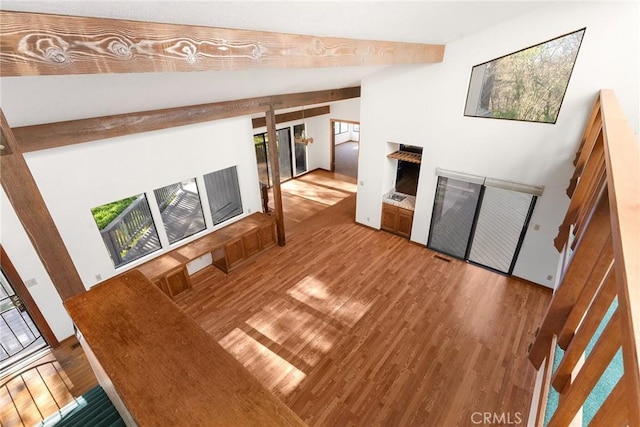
(353, 326)
(45, 386)
(311, 193)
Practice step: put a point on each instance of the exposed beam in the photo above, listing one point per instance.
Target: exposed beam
(52, 135)
(30, 207)
(275, 175)
(41, 44)
(260, 122)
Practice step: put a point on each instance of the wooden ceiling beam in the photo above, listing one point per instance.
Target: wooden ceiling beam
(260, 122)
(42, 44)
(32, 211)
(52, 135)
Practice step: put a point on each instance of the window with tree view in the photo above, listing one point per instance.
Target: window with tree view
(527, 85)
(127, 229)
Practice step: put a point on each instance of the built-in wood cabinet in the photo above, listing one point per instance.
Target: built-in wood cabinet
(229, 246)
(236, 251)
(396, 220)
(168, 274)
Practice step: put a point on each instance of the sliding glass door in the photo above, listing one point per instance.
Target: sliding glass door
(500, 225)
(290, 159)
(480, 223)
(453, 213)
(284, 153)
(300, 150)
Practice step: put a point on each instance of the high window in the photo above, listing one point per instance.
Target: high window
(527, 85)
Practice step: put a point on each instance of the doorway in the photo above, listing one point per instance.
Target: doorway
(345, 147)
(480, 223)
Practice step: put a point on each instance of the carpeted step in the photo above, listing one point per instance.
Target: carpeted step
(93, 409)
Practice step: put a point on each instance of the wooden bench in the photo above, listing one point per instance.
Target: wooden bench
(230, 247)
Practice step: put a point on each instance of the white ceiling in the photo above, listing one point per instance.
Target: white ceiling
(408, 21)
(56, 98)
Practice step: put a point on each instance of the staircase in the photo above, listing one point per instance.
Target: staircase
(586, 349)
(91, 409)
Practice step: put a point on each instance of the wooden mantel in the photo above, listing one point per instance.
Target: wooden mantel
(159, 367)
(42, 44)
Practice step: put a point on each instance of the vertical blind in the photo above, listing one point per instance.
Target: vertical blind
(223, 191)
(491, 182)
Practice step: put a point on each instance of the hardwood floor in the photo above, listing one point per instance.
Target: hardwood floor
(353, 326)
(311, 193)
(45, 385)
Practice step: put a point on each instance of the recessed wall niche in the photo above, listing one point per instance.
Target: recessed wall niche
(409, 158)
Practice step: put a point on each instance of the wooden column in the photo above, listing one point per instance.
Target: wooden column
(25, 197)
(275, 173)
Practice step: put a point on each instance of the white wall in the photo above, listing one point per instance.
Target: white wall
(319, 151)
(423, 106)
(24, 258)
(76, 178)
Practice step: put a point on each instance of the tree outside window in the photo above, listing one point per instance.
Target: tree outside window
(527, 85)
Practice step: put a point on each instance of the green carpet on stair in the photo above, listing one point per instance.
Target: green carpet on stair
(91, 409)
(604, 386)
(609, 378)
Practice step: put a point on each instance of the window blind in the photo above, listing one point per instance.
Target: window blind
(491, 182)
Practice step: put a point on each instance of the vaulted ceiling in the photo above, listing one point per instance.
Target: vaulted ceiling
(42, 99)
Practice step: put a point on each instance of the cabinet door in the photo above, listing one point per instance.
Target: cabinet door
(267, 236)
(219, 259)
(178, 282)
(251, 243)
(235, 252)
(161, 283)
(389, 218)
(405, 221)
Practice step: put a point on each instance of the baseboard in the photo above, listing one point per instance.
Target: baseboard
(529, 282)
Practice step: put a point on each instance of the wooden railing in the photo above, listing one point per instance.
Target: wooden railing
(600, 236)
(126, 227)
(165, 195)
